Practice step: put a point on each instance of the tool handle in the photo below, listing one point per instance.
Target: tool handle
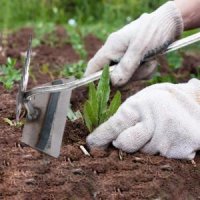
(80, 82)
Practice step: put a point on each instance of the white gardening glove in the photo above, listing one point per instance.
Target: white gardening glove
(163, 118)
(146, 36)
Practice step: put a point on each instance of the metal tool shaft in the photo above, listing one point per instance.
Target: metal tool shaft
(77, 83)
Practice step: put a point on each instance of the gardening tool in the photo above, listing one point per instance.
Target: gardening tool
(47, 105)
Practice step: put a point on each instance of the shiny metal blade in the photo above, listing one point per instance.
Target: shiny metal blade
(24, 81)
(25, 74)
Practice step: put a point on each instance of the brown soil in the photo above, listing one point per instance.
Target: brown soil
(92, 44)
(28, 174)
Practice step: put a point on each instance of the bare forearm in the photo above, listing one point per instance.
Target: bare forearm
(190, 10)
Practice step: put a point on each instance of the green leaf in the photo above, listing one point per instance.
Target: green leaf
(93, 99)
(75, 69)
(175, 60)
(8, 85)
(73, 116)
(114, 105)
(89, 116)
(103, 91)
(8, 121)
(104, 80)
(103, 117)
(13, 123)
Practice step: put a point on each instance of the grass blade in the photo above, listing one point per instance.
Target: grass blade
(86, 115)
(103, 91)
(93, 99)
(115, 103)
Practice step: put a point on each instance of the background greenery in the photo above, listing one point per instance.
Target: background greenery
(97, 16)
(105, 14)
(18, 12)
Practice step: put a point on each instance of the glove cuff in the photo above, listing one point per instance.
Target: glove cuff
(170, 16)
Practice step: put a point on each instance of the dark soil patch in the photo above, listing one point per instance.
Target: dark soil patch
(92, 44)
(28, 174)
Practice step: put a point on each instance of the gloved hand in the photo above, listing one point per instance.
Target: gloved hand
(149, 34)
(163, 118)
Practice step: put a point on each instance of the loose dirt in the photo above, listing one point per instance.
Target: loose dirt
(28, 174)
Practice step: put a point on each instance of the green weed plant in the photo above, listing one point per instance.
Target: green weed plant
(74, 69)
(8, 74)
(96, 109)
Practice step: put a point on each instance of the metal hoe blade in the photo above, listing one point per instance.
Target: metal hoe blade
(46, 132)
(46, 114)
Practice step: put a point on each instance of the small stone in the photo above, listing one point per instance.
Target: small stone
(95, 172)
(193, 163)
(30, 181)
(138, 159)
(166, 167)
(27, 156)
(78, 171)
